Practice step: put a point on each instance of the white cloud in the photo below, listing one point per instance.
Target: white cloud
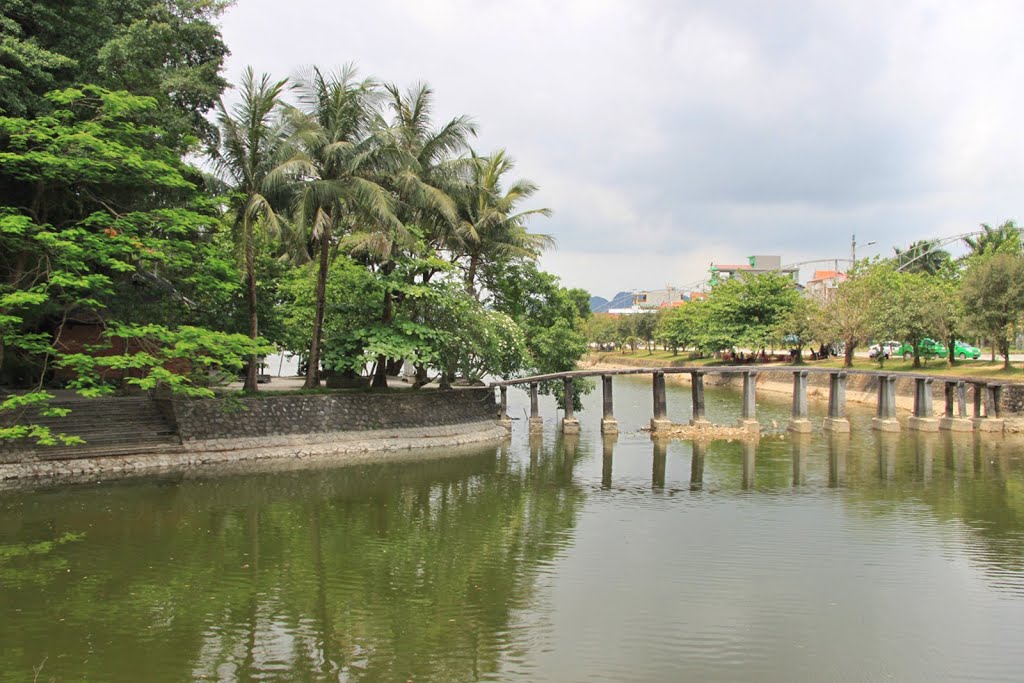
(668, 134)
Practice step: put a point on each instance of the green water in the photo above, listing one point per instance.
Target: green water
(860, 559)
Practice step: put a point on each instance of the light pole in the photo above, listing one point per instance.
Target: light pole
(853, 249)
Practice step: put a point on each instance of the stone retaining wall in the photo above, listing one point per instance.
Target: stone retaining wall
(279, 416)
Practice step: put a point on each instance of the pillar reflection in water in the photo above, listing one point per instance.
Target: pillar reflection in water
(570, 446)
(608, 450)
(924, 455)
(838, 454)
(658, 470)
(536, 443)
(749, 461)
(700, 449)
(886, 444)
(800, 442)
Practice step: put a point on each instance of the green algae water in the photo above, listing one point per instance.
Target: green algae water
(865, 558)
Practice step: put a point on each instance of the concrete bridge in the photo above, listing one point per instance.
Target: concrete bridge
(984, 416)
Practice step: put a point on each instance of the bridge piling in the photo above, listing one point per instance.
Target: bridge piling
(748, 414)
(658, 466)
(660, 421)
(609, 425)
(955, 419)
(536, 421)
(986, 395)
(885, 413)
(799, 422)
(503, 419)
(836, 421)
(697, 399)
(570, 425)
(923, 419)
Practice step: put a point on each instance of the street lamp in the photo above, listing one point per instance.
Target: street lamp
(853, 249)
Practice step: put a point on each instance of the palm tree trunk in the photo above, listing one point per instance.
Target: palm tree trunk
(313, 371)
(380, 377)
(250, 275)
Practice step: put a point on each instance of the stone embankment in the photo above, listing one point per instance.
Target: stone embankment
(266, 427)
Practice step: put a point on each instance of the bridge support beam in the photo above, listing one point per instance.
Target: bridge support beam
(885, 413)
(836, 420)
(609, 425)
(955, 419)
(503, 419)
(923, 419)
(536, 421)
(748, 412)
(799, 422)
(570, 425)
(987, 396)
(660, 421)
(697, 400)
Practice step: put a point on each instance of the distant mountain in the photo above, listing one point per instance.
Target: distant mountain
(598, 304)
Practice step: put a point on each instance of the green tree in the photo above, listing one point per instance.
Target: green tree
(335, 166)
(993, 298)
(906, 306)
(797, 327)
(251, 146)
(923, 256)
(848, 315)
(1005, 239)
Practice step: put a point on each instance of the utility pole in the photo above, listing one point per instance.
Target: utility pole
(853, 249)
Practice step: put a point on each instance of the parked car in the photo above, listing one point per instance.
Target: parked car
(885, 349)
(963, 350)
(927, 348)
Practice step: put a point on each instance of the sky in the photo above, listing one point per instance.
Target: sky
(667, 135)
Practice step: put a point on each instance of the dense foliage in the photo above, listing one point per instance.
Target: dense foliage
(334, 218)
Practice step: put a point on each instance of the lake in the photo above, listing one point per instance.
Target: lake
(861, 558)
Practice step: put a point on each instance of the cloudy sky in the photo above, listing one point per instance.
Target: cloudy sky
(666, 135)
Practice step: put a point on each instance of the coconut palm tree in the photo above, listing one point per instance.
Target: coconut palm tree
(250, 147)
(491, 227)
(923, 256)
(335, 167)
(1004, 239)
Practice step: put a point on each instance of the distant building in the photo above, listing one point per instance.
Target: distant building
(755, 266)
(654, 299)
(824, 284)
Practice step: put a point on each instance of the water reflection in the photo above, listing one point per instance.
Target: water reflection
(838, 451)
(486, 566)
(700, 449)
(660, 447)
(607, 457)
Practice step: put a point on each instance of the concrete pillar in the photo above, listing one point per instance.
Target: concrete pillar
(609, 425)
(836, 420)
(608, 449)
(954, 420)
(659, 422)
(536, 421)
(923, 419)
(799, 422)
(697, 399)
(991, 422)
(749, 447)
(570, 425)
(885, 414)
(503, 419)
(658, 467)
(700, 449)
(748, 414)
